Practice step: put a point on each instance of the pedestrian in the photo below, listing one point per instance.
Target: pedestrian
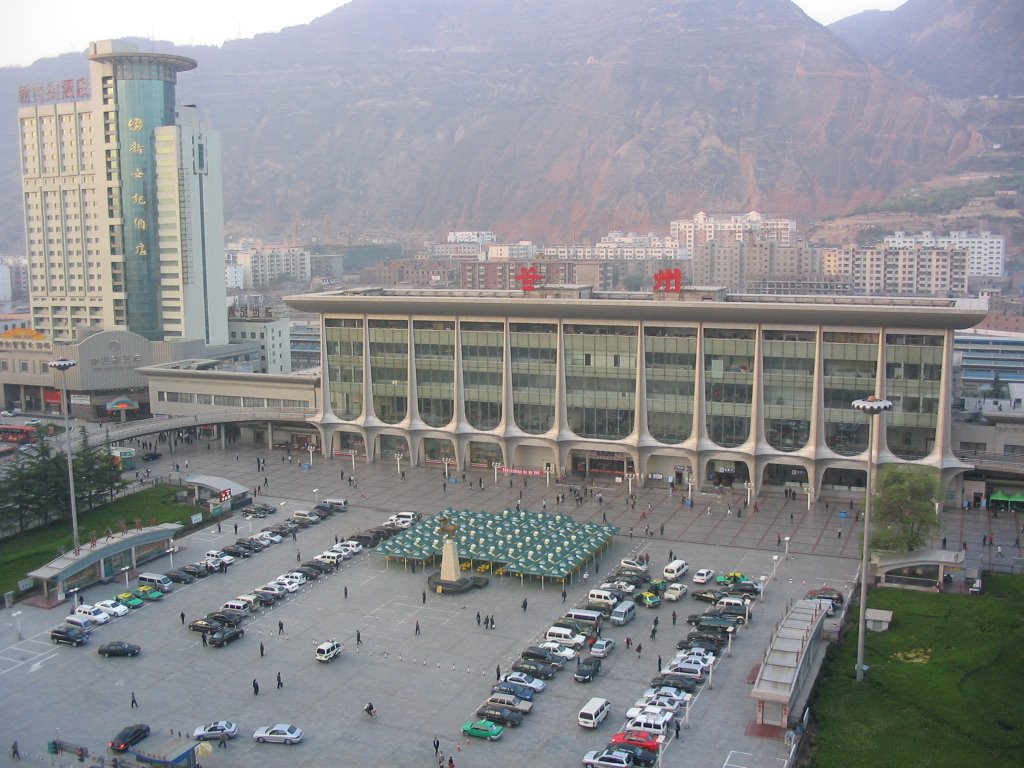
(451, 762)
(984, 539)
(791, 517)
(639, 649)
(478, 618)
(839, 533)
(280, 682)
(493, 625)
(417, 627)
(673, 618)
(659, 662)
(261, 650)
(999, 551)
(134, 702)
(183, 618)
(497, 673)
(629, 642)
(654, 632)
(487, 622)
(424, 597)
(218, 527)
(222, 740)
(437, 745)
(524, 605)
(346, 592)
(631, 531)
(203, 635)
(15, 754)
(655, 621)
(677, 729)
(298, 556)
(359, 638)
(662, 529)
(564, 594)
(943, 542)
(255, 688)
(280, 627)
(708, 510)
(778, 540)
(236, 529)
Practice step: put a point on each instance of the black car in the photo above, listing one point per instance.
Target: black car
(206, 626)
(500, 715)
(196, 570)
(266, 508)
(224, 636)
(250, 544)
(316, 565)
(311, 574)
(535, 668)
(281, 529)
(382, 532)
(327, 509)
(269, 596)
(709, 635)
(671, 680)
(707, 595)
(744, 588)
(535, 653)
(265, 601)
(741, 615)
(119, 648)
(69, 635)
(151, 456)
(640, 755)
(226, 617)
(299, 521)
(236, 551)
(128, 737)
(587, 670)
(179, 576)
(713, 644)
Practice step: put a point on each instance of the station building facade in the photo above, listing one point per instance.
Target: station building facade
(693, 386)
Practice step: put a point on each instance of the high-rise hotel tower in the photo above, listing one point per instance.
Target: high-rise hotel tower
(123, 206)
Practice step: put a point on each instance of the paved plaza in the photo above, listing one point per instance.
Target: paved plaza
(429, 684)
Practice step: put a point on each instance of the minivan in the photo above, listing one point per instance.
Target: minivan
(94, 614)
(735, 602)
(366, 539)
(675, 570)
(237, 605)
(566, 636)
(157, 580)
(84, 623)
(305, 514)
(623, 613)
(587, 617)
(594, 712)
(254, 602)
(601, 596)
(338, 505)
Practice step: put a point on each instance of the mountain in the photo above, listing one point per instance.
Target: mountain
(547, 119)
(958, 48)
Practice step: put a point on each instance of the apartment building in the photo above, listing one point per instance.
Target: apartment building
(985, 251)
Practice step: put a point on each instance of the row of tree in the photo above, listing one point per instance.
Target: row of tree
(34, 485)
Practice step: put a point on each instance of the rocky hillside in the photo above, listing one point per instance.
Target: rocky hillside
(548, 119)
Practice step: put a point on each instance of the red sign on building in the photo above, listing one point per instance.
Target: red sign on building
(669, 280)
(529, 278)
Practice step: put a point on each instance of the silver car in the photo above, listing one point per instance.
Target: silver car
(281, 733)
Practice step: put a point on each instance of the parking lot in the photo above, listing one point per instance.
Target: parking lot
(423, 685)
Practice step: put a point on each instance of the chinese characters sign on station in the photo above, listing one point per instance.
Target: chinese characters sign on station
(529, 278)
(253, 311)
(670, 280)
(53, 91)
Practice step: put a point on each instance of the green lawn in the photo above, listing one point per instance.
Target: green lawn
(25, 552)
(945, 685)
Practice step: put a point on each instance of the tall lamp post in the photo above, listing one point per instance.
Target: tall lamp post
(64, 365)
(872, 406)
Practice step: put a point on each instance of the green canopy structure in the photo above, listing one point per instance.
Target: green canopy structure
(523, 543)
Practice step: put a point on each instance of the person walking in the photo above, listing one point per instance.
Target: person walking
(943, 542)
(222, 741)
(424, 597)
(677, 729)
(261, 650)
(15, 754)
(346, 592)
(280, 627)
(487, 621)
(674, 618)
(255, 688)
(778, 540)
(659, 662)
(451, 762)
(629, 642)
(183, 618)
(280, 682)
(639, 649)
(437, 745)
(524, 605)
(417, 628)
(497, 673)
(839, 533)
(359, 638)
(478, 618)
(654, 632)
(493, 625)
(564, 594)
(236, 529)
(203, 635)
(135, 703)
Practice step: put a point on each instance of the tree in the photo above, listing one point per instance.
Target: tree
(998, 389)
(903, 509)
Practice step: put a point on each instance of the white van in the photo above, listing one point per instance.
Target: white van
(594, 712)
(327, 651)
(94, 614)
(157, 580)
(252, 601)
(675, 570)
(587, 617)
(304, 514)
(82, 622)
(601, 596)
(237, 605)
(623, 613)
(565, 636)
(338, 505)
(735, 602)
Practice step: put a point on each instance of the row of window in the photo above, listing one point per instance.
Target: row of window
(238, 401)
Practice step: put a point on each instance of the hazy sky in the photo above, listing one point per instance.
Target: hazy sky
(34, 29)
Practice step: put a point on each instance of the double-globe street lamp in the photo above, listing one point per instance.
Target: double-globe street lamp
(64, 365)
(872, 406)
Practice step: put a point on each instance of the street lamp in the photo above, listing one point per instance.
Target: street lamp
(316, 496)
(17, 615)
(872, 407)
(786, 539)
(170, 551)
(630, 477)
(810, 497)
(496, 465)
(446, 461)
(398, 462)
(750, 489)
(125, 572)
(64, 365)
(310, 447)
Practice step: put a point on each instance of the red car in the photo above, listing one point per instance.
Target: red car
(640, 739)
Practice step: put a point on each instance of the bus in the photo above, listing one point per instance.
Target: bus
(18, 435)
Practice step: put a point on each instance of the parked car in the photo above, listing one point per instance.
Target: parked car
(112, 607)
(674, 591)
(562, 652)
(92, 612)
(543, 655)
(217, 554)
(226, 617)
(271, 536)
(535, 668)
(587, 670)
(69, 635)
(634, 564)
(703, 576)
(205, 626)
(641, 756)
(707, 595)
(237, 551)
(608, 758)
(128, 737)
(744, 588)
(522, 691)
(224, 636)
(482, 729)
(648, 600)
(672, 680)
(602, 647)
(500, 715)
(215, 729)
(119, 648)
(641, 739)
(151, 456)
(146, 592)
(273, 591)
(196, 570)
(524, 679)
(283, 733)
(128, 600)
(178, 576)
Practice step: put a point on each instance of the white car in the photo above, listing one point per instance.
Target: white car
(296, 576)
(224, 557)
(642, 708)
(112, 607)
(602, 647)
(273, 538)
(664, 703)
(622, 586)
(559, 650)
(290, 585)
(632, 562)
(656, 723)
(703, 576)
(277, 589)
(344, 550)
(33, 422)
(355, 546)
(281, 733)
(215, 729)
(686, 657)
(521, 678)
(98, 615)
(666, 693)
(674, 591)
